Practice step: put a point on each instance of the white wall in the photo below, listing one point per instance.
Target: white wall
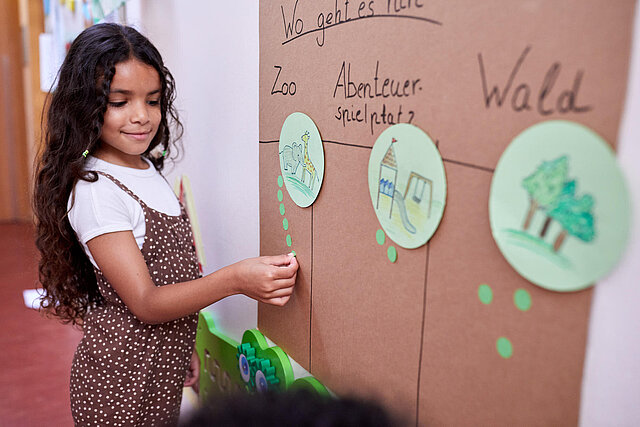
(212, 50)
(611, 381)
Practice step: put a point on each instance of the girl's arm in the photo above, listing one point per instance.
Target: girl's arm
(266, 279)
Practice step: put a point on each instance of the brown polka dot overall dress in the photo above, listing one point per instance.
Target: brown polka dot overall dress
(129, 373)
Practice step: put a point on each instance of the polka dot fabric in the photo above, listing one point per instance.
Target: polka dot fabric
(129, 373)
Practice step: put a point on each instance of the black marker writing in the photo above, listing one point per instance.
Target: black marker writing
(344, 11)
(286, 88)
(296, 24)
(566, 102)
(377, 87)
(399, 5)
(335, 17)
(381, 116)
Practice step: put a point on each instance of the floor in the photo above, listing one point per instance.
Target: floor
(35, 352)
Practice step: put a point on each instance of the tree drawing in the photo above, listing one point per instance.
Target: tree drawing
(568, 190)
(545, 186)
(576, 217)
(552, 191)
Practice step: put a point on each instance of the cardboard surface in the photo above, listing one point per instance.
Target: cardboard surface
(472, 75)
(367, 311)
(462, 375)
(287, 326)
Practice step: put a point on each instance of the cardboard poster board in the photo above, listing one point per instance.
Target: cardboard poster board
(472, 75)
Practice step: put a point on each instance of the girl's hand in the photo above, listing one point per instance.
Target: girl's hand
(193, 373)
(268, 279)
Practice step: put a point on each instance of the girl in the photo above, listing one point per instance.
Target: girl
(117, 253)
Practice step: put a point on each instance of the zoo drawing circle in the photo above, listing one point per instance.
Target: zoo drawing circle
(407, 184)
(301, 158)
(559, 207)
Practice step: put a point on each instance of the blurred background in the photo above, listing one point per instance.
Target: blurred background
(212, 50)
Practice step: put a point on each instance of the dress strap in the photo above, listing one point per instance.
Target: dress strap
(123, 188)
(172, 190)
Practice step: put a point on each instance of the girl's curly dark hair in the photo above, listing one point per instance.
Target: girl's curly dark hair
(73, 124)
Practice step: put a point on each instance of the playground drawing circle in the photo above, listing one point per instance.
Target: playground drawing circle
(301, 157)
(559, 208)
(407, 184)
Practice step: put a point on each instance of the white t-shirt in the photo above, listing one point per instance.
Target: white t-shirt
(102, 207)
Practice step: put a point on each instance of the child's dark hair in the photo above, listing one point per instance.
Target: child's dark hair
(74, 124)
(291, 408)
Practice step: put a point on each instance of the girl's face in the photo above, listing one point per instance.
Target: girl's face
(133, 114)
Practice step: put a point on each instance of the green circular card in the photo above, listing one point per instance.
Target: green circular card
(559, 206)
(301, 158)
(407, 184)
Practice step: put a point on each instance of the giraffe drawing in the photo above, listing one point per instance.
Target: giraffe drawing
(307, 164)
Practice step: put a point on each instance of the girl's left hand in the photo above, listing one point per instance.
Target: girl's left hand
(193, 373)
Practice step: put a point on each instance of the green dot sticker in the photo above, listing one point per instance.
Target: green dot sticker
(522, 299)
(559, 207)
(485, 294)
(288, 240)
(407, 184)
(285, 224)
(380, 237)
(503, 345)
(392, 254)
(280, 181)
(301, 158)
(280, 195)
(281, 208)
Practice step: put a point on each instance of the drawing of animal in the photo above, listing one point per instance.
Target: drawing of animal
(291, 157)
(307, 164)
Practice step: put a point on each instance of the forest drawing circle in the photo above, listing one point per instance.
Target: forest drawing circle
(559, 207)
(407, 184)
(301, 158)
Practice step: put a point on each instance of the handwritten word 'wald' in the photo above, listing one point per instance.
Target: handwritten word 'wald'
(567, 100)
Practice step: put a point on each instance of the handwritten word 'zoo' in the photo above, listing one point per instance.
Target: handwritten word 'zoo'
(286, 88)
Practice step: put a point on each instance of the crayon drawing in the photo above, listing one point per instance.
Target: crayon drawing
(558, 207)
(301, 158)
(407, 185)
